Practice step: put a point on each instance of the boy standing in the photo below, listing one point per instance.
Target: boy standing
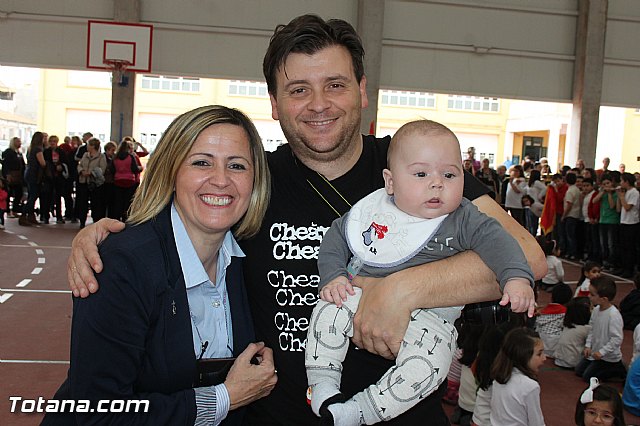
(602, 352)
(591, 215)
(628, 199)
(420, 216)
(571, 216)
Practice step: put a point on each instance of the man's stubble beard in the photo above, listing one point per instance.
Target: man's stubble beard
(303, 147)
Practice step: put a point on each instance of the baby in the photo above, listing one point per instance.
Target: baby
(419, 216)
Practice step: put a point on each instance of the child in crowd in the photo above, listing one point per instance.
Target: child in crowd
(453, 379)
(573, 337)
(571, 215)
(488, 349)
(453, 376)
(602, 351)
(599, 405)
(555, 271)
(420, 216)
(4, 195)
(609, 222)
(549, 321)
(515, 398)
(472, 333)
(630, 306)
(590, 271)
(631, 393)
(591, 216)
(629, 204)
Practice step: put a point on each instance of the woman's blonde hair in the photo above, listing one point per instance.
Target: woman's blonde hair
(158, 184)
(14, 142)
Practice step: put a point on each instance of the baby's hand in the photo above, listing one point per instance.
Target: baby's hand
(518, 291)
(336, 291)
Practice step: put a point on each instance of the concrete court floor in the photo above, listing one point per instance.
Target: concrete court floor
(35, 319)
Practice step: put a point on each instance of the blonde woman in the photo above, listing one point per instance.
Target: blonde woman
(172, 292)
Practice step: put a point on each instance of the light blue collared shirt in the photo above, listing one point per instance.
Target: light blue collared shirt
(210, 312)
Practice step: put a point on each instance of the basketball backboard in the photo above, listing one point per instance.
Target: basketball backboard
(111, 45)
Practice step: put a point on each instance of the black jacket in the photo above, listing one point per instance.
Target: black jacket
(132, 339)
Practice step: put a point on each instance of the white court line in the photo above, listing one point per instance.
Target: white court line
(5, 297)
(9, 232)
(15, 290)
(34, 245)
(22, 237)
(36, 271)
(41, 260)
(38, 251)
(24, 283)
(32, 361)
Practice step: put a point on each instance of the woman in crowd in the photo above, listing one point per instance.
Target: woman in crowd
(489, 178)
(515, 191)
(91, 171)
(152, 326)
(33, 176)
(13, 172)
(537, 190)
(125, 171)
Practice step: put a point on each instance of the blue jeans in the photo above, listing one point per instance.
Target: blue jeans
(34, 192)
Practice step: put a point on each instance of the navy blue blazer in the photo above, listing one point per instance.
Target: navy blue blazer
(132, 339)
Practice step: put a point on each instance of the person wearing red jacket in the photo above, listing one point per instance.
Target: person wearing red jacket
(591, 214)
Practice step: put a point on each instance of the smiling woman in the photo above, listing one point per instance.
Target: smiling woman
(173, 299)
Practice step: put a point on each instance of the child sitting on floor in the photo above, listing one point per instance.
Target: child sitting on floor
(573, 337)
(549, 321)
(590, 271)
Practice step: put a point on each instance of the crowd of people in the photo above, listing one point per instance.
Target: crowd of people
(65, 180)
(592, 214)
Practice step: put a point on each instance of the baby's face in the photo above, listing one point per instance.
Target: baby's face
(425, 175)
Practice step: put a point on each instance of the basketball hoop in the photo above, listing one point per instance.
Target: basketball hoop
(118, 67)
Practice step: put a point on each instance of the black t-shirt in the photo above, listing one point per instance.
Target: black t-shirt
(281, 275)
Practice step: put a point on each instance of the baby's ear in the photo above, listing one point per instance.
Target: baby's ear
(388, 181)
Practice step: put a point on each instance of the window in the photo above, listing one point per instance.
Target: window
(473, 103)
(248, 88)
(170, 84)
(411, 99)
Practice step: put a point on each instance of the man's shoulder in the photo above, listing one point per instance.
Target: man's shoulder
(139, 241)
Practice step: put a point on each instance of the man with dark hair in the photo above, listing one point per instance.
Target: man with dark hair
(317, 88)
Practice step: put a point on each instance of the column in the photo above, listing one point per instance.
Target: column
(370, 27)
(587, 85)
(123, 95)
